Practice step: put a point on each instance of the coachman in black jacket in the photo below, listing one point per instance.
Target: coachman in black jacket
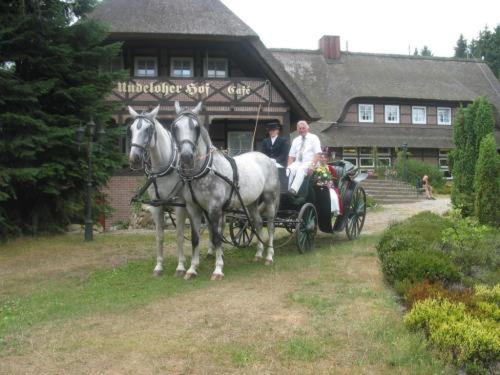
(279, 149)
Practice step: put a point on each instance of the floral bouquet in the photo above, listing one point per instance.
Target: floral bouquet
(322, 175)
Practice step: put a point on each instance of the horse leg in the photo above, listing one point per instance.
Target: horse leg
(180, 214)
(195, 219)
(157, 213)
(210, 250)
(271, 206)
(216, 226)
(253, 211)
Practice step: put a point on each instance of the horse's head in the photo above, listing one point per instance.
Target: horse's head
(142, 133)
(186, 130)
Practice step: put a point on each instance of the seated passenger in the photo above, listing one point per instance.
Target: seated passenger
(276, 147)
(303, 156)
(335, 201)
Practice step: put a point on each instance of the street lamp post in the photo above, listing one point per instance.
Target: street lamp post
(92, 136)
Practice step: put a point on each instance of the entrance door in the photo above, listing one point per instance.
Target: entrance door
(239, 142)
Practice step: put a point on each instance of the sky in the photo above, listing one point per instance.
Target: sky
(378, 26)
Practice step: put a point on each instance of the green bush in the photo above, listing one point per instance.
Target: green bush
(416, 233)
(487, 183)
(416, 169)
(416, 266)
(464, 338)
(473, 247)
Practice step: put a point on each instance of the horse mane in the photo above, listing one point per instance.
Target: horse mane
(204, 135)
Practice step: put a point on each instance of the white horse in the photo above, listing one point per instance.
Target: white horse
(209, 176)
(149, 137)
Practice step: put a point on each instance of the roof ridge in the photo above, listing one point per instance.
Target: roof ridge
(413, 57)
(377, 54)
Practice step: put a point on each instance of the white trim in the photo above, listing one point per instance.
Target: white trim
(387, 106)
(191, 62)
(218, 59)
(154, 58)
(449, 117)
(413, 108)
(372, 113)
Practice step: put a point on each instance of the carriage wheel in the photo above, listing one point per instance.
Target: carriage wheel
(240, 232)
(356, 213)
(307, 227)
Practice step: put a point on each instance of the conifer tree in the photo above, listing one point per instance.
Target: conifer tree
(50, 83)
(461, 49)
(487, 183)
(470, 127)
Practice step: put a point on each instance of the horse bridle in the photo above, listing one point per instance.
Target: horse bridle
(193, 117)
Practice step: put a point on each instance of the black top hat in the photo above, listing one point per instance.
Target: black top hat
(274, 125)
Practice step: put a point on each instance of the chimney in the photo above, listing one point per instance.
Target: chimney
(330, 46)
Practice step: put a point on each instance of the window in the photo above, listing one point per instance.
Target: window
(392, 114)
(419, 115)
(146, 67)
(216, 68)
(181, 67)
(239, 142)
(384, 162)
(365, 112)
(351, 160)
(443, 163)
(444, 116)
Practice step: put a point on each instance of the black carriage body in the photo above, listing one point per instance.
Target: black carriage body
(319, 196)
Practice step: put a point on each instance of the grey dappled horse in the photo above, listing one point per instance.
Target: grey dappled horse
(149, 136)
(208, 193)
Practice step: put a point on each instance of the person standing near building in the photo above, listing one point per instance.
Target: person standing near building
(276, 147)
(304, 153)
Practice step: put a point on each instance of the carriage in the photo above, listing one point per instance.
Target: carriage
(303, 214)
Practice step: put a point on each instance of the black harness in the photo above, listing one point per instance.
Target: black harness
(148, 171)
(206, 166)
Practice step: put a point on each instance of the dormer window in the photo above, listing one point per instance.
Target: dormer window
(216, 68)
(419, 115)
(181, 67)
(392, 114)
(365, 112)
(444, 115)
(145, 67)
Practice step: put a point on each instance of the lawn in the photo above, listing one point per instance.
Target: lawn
(69, 306)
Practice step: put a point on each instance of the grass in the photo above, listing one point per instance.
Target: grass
(323, 312)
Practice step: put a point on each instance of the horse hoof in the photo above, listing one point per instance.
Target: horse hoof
(217, 277)
(268, 262)
(157, 272)
(179, 273)
(257, 259)
(190, 276)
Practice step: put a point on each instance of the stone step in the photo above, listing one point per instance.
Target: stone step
(388, 188)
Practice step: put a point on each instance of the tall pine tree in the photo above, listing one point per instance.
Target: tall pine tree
(50, 83)
(461, 49)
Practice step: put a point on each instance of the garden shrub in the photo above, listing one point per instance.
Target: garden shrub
(415, 266)
(487, 183)
(414, 234)
(427, 289)
(468, 339)
(416, 169)
(473, 247)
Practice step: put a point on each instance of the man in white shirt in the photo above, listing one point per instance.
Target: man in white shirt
(304, 154)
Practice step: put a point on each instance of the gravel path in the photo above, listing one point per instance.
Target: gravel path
(377, 221)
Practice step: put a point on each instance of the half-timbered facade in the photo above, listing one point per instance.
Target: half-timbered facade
(363, 106)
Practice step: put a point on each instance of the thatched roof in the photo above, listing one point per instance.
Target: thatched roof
(340, 135)
(184, 17)
(331, 84)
